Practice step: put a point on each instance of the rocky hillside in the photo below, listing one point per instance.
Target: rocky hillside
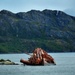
(51, 30)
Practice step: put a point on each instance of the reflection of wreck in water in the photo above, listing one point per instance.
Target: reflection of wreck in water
(39, 57)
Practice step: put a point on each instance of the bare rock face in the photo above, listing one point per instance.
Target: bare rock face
(7, 62)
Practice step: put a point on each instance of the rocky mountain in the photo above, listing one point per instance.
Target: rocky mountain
(51, 30)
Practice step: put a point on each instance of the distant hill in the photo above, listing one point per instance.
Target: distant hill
(52, 30)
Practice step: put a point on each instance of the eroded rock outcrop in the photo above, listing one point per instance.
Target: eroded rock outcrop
(7, 62)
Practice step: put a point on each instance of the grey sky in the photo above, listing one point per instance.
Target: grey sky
(26, 5)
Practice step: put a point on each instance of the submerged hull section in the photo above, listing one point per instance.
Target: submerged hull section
(25, 62)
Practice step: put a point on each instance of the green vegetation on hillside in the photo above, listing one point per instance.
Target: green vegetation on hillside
(17, 45)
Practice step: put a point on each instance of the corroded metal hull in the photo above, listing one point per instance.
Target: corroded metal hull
(39, 57)
(26, 62)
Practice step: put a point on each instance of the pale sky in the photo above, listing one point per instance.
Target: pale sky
(15, 6)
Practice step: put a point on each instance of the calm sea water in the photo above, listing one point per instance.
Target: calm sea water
(65, 65)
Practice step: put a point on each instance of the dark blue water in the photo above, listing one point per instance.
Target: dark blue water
(65, 65)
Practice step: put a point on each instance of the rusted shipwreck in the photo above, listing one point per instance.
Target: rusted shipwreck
(39, 57)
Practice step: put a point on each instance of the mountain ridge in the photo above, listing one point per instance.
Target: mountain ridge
(52, 30)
